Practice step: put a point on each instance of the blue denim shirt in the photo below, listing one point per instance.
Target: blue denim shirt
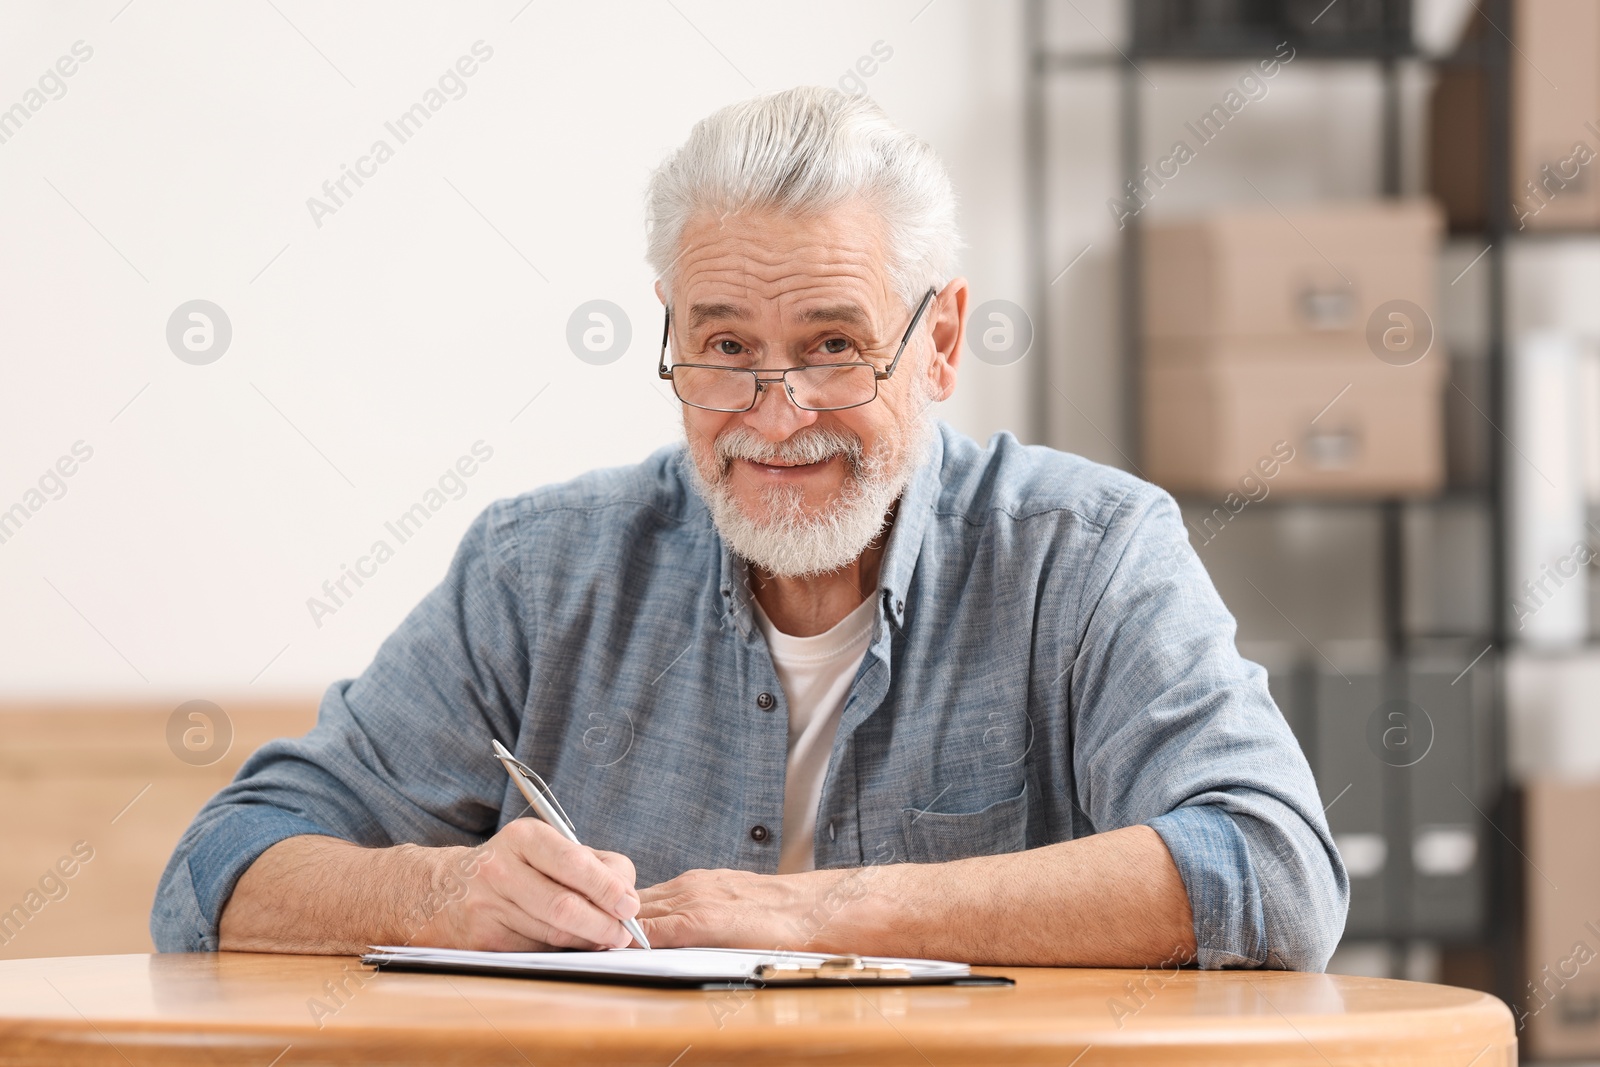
(1049, 660)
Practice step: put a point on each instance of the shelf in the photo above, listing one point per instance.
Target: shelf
(1251, 52)
(1280, 499)
(1485, 55)
(1051, 60)
(1562, 233)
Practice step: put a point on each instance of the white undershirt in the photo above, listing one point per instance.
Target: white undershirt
(816, 673)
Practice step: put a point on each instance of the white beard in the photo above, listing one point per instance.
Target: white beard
(792, 541)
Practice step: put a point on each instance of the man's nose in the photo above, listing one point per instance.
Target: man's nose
(776, 415)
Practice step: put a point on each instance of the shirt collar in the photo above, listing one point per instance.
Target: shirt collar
(910, 524)
(899, 556)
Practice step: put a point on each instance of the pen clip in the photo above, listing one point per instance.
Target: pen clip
(516, 766)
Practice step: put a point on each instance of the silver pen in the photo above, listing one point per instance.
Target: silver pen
(543, 801)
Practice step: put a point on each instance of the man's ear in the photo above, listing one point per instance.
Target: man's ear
(661, 292)
(949, 314)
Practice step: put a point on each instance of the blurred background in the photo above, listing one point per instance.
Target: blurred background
(1324, 270)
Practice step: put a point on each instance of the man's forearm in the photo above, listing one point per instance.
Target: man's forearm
(1113, 899)
(324, 895)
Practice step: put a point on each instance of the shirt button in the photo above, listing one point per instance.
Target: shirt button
(764, 701)
(758, 833)
(899, 607)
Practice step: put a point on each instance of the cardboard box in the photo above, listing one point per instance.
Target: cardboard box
(1311, 275)
(1555, 120)
(1557, 1006)
(1350, 424)
(1555, 101)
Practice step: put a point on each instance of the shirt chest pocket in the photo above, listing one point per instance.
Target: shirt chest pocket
(938, 837)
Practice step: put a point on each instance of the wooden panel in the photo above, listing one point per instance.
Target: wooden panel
(104, 775)
(247, 1008)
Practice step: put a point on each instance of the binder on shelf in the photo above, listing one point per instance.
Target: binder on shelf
(1350, 776)
(1450, 794)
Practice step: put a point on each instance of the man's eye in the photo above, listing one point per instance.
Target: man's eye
(729, 348)
(836, 346)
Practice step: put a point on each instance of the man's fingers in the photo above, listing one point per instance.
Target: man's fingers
(653, 903)
(673, 886)
(586, 872)
(656, 892)
(621, 864)
(672, 931)
(576, 914)
(543, 909)
(541, 935)
(577, 867)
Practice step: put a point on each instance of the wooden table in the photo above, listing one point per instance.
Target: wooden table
(288, 1010)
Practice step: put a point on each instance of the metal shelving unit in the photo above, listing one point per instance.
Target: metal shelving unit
(1490, 53)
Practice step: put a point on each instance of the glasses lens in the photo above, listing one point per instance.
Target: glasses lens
(714, 388)
(842, 386)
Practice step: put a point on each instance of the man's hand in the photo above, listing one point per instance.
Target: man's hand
(525, 889)
(534, 890)
(1114, 899)
(737, 909)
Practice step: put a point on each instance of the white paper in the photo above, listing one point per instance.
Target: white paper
(706, 964)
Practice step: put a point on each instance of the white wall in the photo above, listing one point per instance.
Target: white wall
(422, 316)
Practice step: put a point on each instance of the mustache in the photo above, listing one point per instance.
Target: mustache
(810, 445)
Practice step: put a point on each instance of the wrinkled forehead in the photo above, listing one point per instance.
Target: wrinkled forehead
(768, 268)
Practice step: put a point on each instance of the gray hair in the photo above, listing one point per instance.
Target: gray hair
(806, 150)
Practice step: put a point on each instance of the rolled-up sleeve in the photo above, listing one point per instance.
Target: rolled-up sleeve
(1175, 730)
(400, 754)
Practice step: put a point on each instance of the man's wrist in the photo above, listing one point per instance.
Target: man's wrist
(434, 887)
(840, 906)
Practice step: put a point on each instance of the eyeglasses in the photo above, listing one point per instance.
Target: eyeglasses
(819, 387)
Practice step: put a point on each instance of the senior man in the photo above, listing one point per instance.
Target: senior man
(828, 675)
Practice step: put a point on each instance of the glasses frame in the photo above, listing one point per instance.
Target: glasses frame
(774, 377)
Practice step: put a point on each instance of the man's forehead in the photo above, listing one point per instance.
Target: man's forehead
(826, 311)
(822, 268)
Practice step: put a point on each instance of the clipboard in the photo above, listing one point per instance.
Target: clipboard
(687, 968)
